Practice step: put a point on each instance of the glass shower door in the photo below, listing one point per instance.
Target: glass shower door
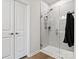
(66, 52)
(49, 32)
(53, 32)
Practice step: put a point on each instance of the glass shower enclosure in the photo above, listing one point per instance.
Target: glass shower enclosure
(53, 29)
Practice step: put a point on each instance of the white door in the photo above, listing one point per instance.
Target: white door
(20, 29)
(7, 30)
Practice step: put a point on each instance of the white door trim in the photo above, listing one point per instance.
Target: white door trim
(28, 32)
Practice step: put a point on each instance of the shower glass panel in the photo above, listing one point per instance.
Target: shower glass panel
(53, 25)
(66, 48)
(49, 30)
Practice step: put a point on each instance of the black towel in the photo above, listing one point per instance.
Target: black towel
(69, 30)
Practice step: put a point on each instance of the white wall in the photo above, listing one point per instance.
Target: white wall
(35, 24)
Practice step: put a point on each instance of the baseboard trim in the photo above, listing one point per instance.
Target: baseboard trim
(34, 53)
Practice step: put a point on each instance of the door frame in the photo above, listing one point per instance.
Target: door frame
(28, 25)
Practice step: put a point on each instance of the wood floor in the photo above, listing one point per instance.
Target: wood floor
(39, 56)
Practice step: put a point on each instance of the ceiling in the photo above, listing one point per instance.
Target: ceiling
(50, 2)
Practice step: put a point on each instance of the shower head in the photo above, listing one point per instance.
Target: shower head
(50, 10)
(46, 14)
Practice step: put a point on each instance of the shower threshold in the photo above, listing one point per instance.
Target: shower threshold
(58, 53)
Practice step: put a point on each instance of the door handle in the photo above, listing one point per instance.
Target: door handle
(17, 33)
(11, 33)
(56, 31)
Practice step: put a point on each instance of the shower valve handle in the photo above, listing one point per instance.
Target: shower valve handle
(56, 31)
